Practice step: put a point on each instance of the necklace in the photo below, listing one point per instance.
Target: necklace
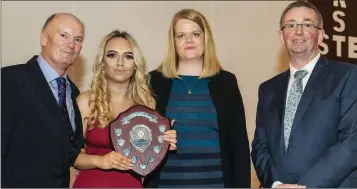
(119, 89)
(188, 88)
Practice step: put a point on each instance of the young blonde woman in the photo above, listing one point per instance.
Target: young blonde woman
(119, 82)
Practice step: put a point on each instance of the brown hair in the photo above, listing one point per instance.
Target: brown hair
(302, 3)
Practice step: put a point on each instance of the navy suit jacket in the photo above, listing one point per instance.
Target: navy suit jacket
(322, 149)
(36, 150)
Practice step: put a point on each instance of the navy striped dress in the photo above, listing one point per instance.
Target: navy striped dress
(197, 162)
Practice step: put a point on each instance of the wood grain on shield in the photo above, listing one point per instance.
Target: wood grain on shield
(137, 133)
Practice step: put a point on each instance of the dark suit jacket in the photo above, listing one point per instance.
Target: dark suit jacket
(36, 150)
(322, 149)
(233, 137)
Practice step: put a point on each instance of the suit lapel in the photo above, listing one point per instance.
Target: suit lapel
(279, 101)
(312, 86)
(280, 96)
(43, 90)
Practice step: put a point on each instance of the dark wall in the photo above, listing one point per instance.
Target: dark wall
(340, 24)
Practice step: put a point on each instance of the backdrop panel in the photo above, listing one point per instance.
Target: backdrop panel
(340, 41)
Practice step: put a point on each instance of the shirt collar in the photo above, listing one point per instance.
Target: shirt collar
(308, 67)
(47, 70)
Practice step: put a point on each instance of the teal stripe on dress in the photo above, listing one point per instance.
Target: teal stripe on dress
(189, 149)
(202, 181)
(195, 109)
(194, 186)
(193, 136)
(191, 115)
(200, 143)
(189, 156)
(187, 98)
(189, 104)
(193, 162)
(190, 169)
(195, 122)
(195, 129)
(213, 174)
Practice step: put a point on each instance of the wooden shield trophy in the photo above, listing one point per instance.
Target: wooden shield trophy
(137, 133)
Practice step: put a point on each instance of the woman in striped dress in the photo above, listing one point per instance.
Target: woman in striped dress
(191, 87)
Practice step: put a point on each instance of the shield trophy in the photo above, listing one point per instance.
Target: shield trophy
(138, 134)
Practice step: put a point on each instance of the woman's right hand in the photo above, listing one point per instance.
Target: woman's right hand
(115, 160)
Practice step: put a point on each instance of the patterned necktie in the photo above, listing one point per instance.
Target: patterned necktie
(292, 104)
(61, 81)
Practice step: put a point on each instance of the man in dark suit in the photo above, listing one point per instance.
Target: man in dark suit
(41, 129)
(306, 124)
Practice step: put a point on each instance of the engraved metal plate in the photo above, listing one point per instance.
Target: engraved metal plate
(140, 137)
(121, 142)
(151, 159)
(118, 132)
(160, 139)
(143, 165)
(162, 128)
(133, 158)
(126, 151)
(157, 149)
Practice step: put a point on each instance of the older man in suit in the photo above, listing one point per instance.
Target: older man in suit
(41, 133)
(306, 132)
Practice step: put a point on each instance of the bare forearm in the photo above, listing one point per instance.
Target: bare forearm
(86, 161)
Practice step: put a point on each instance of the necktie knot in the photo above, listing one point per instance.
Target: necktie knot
(300, 74)
(61, 81)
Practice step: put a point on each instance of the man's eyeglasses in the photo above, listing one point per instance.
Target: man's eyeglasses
(306, 25)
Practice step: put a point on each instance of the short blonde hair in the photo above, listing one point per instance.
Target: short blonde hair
(211, 65)
(138, 90)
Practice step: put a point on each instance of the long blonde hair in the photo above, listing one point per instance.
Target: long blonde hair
(138, 90)
(169, 65)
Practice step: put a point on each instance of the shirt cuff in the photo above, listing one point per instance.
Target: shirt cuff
(275, 184)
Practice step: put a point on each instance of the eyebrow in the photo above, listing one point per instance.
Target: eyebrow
(190, 32)
(81, 37)
(59, 31)
(114, 51)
